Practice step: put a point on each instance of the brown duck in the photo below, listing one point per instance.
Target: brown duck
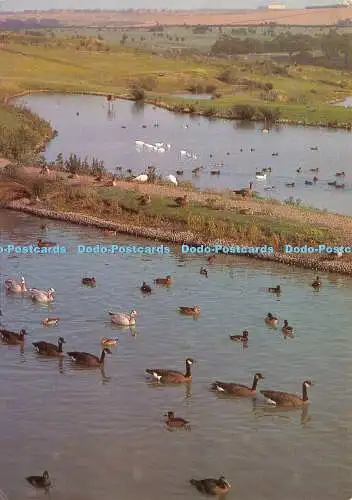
(89, 281)
(190, 311)
(42, 244)
(210, 486)
(12, 338)
(84, 358)
(42, 481)
(176, 422)
(286, 398)
(275, 289)
(163, 281)
(48, 349)
(237, 389)
(240, 338)
(172, 376)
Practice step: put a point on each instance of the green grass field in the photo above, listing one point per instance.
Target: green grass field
(72, 64)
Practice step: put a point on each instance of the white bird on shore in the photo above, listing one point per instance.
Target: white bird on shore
(172, 178)
(159, 144)
(123, 319)
(183, 152)
(260, 176)
(161, 150)
(168, 146)
(141, 178)
(42, 295)
(140, 143)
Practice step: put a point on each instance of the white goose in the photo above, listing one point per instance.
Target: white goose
(15, 286)
(123, 319)
(171, 178)
(42, 295)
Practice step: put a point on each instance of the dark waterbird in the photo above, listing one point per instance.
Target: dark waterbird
(276, 289)
(42, 481)
(239, 390)
(87, 359)
(12, 338)
(172, 376)
(146, 288)
(211, 486)
(176, 422)
(240, 338)
(89, 281)
(48, 349)
(286, 398)
(203, 271)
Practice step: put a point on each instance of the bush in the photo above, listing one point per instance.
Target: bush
(270, 114)
(138, 94)
(243, 111)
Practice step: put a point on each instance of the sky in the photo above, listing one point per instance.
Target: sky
(148, 4)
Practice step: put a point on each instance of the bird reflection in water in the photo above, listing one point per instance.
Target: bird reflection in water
(261, 410)
(186, 385)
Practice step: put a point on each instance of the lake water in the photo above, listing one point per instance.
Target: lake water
(105, 438)
(97, 131)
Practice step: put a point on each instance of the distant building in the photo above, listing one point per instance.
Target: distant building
(272, 6)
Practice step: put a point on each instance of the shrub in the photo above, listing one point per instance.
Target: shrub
(243, 111)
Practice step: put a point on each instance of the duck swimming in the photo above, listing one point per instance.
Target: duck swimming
(316, 283)
(176, 422)
(271, 320)
(211, 486)
(237, 389)
(123, 319)
(12, 338)
(191, 311)
(287, 399)
(84, 358)
(276, 289)
(50, 321)
(48, 349)
(42, 295)
(89, 281)
(14, 286)
(163, 281)
(172, 376)
(240, 338)
(203, 271)
(146, 288)
(45, 244)
(42, 481)
(286, 329)
(106, 341)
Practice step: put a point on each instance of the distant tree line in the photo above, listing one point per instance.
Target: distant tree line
(330, 50)
(16, 24)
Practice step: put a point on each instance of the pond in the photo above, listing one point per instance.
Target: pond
(238, 150)
(102, 435)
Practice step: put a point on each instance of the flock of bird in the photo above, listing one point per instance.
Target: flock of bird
(214, 486)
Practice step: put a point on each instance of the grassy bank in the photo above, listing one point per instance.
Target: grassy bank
(293, 94)
(152, 210)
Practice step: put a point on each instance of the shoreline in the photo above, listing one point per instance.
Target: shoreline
(187, 104)
(187, 237)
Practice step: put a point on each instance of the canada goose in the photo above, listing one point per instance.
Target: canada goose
(12, 338)
(290, 184)
(146, 288)
(245, 191)
(252, 149)
(288, 330)
(266, 169)
(314, 148)
(237, 389)
(308, 183)
(299, 170)
(49, 321)
(163, 281)
(333, 183)
(89, 281)
(274, 154)
(84, 358)
(181, 201)
(123, 319)
(42, 295)
(271, 320)
(211, 486)
(42, 244)
(340, 174)
(172, 376)
(42, 481)
(176, 422)
(276, 289)
(211, 259)
(316, 283)
(106, 341)
(240, 338)
(197, 170)
(287, 399)
(14, 286)
(191, 311)
(203, 271)
(215, 172)
(314, 169)
(47, 349)
(179, 172)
